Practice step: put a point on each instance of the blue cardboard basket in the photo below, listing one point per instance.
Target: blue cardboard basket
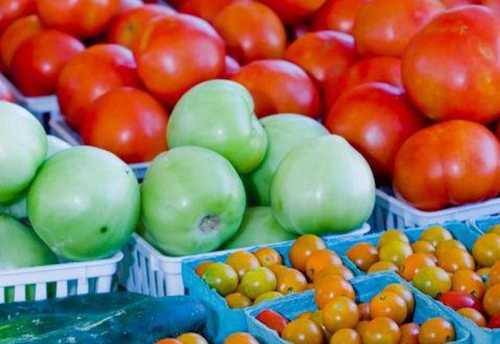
(484, 224)
(229, 319)
(366, 287)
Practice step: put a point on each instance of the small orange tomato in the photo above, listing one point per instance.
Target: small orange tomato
(320, 260)
(268, 256)
(436, 330)
(473, 315)
(363, 255)
(331, 287)
(303, 248)
(469, 282)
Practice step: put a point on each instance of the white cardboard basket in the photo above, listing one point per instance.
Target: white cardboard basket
(391, 212)
(147, 271)
(61, 280)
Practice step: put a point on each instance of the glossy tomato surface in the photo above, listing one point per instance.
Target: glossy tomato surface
(325, 55)
(127, 122)
(493, 4)
(81, 18)
(231, 67)
(384, 27)
(193, 49)
(279, 86)
(293, 11)
(384, 69)
(126, 29)
(10, 10)
(37, 62)
(204, 9)
(338, 15)
(128, 4)
(16, 34)
(451, 69)
(376, 119)
(120, 58)
(449, 163)
(251, 30)
(456, 3)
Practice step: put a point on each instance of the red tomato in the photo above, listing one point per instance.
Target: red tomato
(129, 4)
(120, 58)
(85, 78)
(37, 62)
(294, 11)
(16, 34)
(10, 10)
(5, 91)
(272, 320)
(494, 322)
(459, 299)
(81, 18)
(450, 68)
(193, 49)
(375, 69)
(252, 31)
(337, 15)
(325, 55)
(231, 67)
(126, 29)
(493, 4)
(127, 122)
(279, 86)
(207, 10)
(456, 3)
(449, 163)
(384, 27)
(376, 119)
(498, 130)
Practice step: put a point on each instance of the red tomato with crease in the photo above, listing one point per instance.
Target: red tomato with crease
(81, 18)
(231, 67)
(15, 35)
(126, 29)
(376, 119)
(450, 163)
(337, 15)
(384, 69)
(384, 27)
(120, 58)
(279, 86)
(11, 10)
(85, 78)
(204, 9)
(252, 31)
(325, 55)
(451, 68)
(193, 49)
(456, 3)
(38, 61)
(127, 122)
(294, 11)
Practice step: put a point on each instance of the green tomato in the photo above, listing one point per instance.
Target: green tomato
(221, 277)
(258, 282)
(84, 203)
(259, 227)
(219, 115)
(323, 186)
(432, 280)
(23, 147)
(192, 201)
(268, 296)
(284, 132)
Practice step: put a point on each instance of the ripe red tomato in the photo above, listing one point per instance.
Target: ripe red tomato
(450, 68)
(456, 3)
(85, 78)
(384, 27)
(498, 130)
(126, 29)
(337, 15)
(10, 10)
(127, 122)
(193, 49)
(207, 10)
(493, 4)
(294, 11)
(128, 4)
(37, 62)
(15, 34)
(279, 86)
(120, 58)
(449, 163)
(384, 69)
(5, 91)
(325, 55)
(81, 18)
(272, 320)
(231, 67)
(459, 299)
(252, 31)
(376, 119)
(494, 322)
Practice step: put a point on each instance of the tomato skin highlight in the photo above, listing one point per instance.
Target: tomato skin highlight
(458, 299)
(273, 320)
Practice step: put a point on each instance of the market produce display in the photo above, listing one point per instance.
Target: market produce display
(194, 338)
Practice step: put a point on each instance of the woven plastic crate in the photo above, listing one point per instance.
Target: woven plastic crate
(58, 280)
(366, 288)
(59, 128)
(391, 212)
(147, 271)
(484, 224)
